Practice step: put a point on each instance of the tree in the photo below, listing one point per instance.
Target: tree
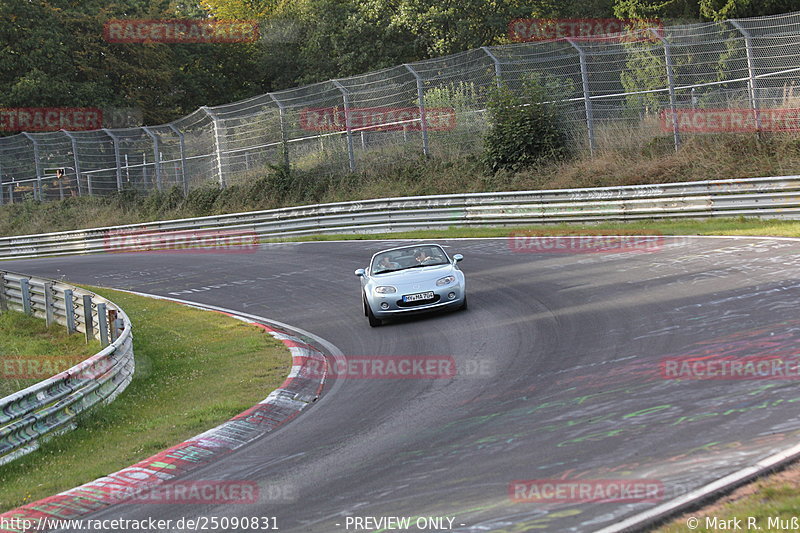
(54, 55)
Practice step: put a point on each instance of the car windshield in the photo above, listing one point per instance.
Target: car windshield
(412, 257)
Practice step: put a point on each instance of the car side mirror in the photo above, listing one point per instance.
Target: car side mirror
(457, 258)
(360, 273)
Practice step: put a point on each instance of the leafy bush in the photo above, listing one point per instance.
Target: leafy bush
(525, 129)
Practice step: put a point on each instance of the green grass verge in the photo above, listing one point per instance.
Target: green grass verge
(26, 341)
(194, 370)
(771, 503)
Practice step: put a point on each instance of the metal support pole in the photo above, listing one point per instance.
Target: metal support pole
(3, 301)
(102, 324)
(69, 310)
(347, 122)
(751, 71)
(671, 81)
(422, 116)
(88, 321)
(183, 159)
(587, 99)
(498, 73)
(117, 160)
(284, 133)
(74, 142)
(2, 201)
(25, 288)
(37, 192)
(49, 309)
(156, 158)
(217, 145)
(112, 319)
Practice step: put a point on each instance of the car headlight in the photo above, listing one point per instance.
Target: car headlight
(385, 289)
(447, 280)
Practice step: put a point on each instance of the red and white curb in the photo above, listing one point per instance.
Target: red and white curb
(302, 387)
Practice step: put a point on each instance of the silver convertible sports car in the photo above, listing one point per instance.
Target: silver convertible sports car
(411, 279)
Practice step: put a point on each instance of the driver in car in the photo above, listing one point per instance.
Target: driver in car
(423, 258)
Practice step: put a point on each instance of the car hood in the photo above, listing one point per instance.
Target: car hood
(414, 275)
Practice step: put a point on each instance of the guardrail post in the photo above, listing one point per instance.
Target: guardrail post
(88, 321)
(217, 145)
(183, 159)
(102, 324)
(748, 46)
(156, 158)
(587, 99)
(25, 287)
(498, 73)
(37, 191)
(671, 81)
(3, 302)
(69, 310)
(284, 133)
(112, 320)
(346, 100)
(422, 117)
(117, 160)
(74, 142)
(48, 303)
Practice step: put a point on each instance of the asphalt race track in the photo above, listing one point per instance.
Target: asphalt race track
(559, 377)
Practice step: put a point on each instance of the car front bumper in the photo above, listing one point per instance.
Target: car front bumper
(394, 307)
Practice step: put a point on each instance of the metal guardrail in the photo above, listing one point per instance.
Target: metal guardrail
(774, 197)
(51, 406)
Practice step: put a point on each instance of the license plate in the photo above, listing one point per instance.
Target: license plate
(419, 296)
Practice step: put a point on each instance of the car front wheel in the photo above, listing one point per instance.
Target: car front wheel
(373, 320)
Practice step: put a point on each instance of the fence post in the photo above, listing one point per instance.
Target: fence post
(284, 133)
(498, 73)
(112, 320)
(117, 161)
(3, 302)
(69, 310)
(422, 116)
(751, 70)
(587, 100)
(671, 81)
(217, 145)
(74, 142)
(37, 191)
(346, 99)
(48, 303)
(156, 159)
(102, 324)
(88, 321)
(183, 159)
(25, 288)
